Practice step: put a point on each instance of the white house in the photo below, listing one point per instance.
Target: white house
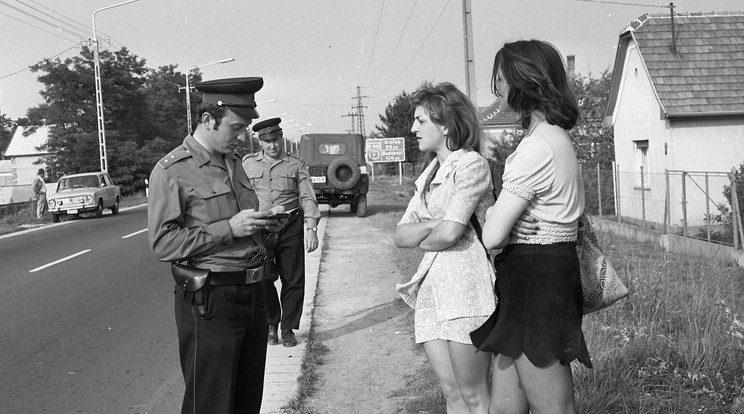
(677, 103)
(17, 169)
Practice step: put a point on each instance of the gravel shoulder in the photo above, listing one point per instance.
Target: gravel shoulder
(359, 316)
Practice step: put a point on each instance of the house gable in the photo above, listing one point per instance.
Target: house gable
(697, 73)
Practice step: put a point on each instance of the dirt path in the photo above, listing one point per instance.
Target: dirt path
(359, 317)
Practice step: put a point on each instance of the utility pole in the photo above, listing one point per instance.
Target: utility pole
(360, 111)
(352, 115)
(467, 22)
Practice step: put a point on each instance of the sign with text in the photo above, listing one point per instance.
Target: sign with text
(386, 149)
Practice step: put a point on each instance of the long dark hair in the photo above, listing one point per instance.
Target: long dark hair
(537, 81)
(448, 106)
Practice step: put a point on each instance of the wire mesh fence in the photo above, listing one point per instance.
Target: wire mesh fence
(697, 204)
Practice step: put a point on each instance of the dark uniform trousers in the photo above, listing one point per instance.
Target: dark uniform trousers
(232, 337)
(289, 255)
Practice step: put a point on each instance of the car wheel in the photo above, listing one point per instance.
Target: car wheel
(99, 209)
(115, 207)
(55, 218)
(361, 210)
(343, 173)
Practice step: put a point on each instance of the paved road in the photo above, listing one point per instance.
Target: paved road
(88, 324)
(91, 334)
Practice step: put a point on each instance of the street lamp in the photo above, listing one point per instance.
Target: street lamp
(99, 94)
(188, 89)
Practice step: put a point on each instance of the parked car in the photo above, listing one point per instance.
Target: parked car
(84, 193)
(338, 169)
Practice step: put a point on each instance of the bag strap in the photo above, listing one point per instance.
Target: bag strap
(478, 230)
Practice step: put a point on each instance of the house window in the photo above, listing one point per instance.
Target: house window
(641, 151)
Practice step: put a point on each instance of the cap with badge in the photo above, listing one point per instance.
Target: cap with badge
(235, 93)
(268, 129)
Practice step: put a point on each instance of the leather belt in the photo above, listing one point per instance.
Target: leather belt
(243, 277)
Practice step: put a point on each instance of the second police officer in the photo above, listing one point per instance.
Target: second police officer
(283, 180)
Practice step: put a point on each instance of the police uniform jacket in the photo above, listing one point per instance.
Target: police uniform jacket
(192, 197)
(284, 182)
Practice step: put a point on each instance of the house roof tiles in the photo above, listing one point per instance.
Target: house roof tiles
(25, 142)
(705, 72)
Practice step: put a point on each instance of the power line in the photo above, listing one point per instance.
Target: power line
(619, 3)
(50, 16)
(397, 43)
(37, 27)
(39, 19)
(29, 67)
(374, 43)
(420, 46)
(87, 28)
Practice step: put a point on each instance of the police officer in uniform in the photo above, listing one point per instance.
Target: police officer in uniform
(204, 218)
(283, 180)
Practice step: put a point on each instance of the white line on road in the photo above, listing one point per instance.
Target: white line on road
(72, 256)
(134, 234)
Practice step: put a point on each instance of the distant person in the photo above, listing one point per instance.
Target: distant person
(203, 218)
(535, 331)
(452, 290)
(40, 191)
(283, 180)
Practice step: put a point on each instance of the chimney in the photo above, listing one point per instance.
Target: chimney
(570, 65)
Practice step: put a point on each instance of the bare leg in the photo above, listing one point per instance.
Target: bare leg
(507, 395)
(471, 373)
(438, 353)
(549, 390)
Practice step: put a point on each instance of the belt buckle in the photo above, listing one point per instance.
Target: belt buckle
(253, 275)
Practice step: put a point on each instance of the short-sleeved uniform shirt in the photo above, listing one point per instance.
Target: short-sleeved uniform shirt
(192, 196)
(283, 182)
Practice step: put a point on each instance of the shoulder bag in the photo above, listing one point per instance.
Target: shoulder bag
(600, 283)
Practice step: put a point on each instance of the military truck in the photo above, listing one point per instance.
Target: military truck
(338, 169)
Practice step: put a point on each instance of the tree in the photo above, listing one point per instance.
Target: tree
(397, 123)
(6, 131)
(166, 104)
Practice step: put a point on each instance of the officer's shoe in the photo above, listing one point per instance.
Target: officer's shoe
(288, 338)
(273, 337)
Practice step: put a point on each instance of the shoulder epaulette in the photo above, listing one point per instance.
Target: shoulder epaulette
(250, 155)
(173, 157)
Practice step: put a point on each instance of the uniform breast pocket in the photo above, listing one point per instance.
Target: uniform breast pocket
(256, 179)
(217, 203)
(288, 182)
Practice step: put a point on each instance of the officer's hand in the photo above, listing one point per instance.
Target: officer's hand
(249, 222)
(278, 225)
(311, 241)
(525, 227)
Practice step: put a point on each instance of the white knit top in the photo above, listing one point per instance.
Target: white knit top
(545, 171)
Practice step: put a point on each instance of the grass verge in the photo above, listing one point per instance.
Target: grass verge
(675, 345)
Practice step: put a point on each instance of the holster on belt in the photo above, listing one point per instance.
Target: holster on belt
(191, 279)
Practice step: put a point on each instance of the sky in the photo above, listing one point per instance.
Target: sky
(316, 57)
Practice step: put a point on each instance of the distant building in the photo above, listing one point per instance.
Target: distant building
(676, 103)
(496, 123)
(17, 168)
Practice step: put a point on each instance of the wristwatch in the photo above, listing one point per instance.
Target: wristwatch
(315, 229)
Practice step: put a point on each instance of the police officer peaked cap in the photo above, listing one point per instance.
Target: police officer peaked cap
(268, 128)
(234, 93)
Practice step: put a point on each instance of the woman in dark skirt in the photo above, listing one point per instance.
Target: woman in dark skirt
(535, 331)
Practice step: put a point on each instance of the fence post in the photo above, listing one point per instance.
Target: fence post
(707, 205)
(684, 203)
(599, 190)
(643, 199)
(667, 203)
(736, 212)
(616, 178)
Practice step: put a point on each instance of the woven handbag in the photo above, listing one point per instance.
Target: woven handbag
(600, 283)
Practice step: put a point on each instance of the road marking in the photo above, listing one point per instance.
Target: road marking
(72, 256)
(134, 234)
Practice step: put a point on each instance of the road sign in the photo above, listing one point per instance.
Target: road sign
(386, 149)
